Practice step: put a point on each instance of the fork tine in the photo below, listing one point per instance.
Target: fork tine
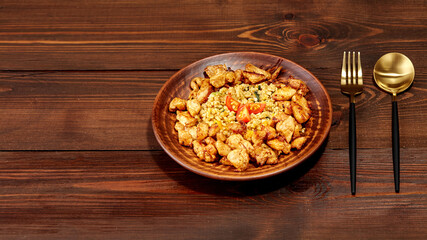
(349, 77)
(343, 72)
(359, 70)
(354, 69)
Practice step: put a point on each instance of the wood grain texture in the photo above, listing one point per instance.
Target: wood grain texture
(82, 75)
(145, 194)
(105, 35)
(78, 110)
(110, 110)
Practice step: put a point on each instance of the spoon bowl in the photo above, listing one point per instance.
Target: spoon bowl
(394, 73)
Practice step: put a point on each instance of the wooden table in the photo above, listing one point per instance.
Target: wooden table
(78, 155)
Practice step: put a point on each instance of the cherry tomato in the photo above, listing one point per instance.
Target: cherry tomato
(256, 107)
(232, 104)
(243, 114)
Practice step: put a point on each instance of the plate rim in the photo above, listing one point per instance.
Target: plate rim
(243, 177)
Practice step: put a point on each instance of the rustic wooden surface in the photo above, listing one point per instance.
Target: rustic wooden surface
(78, 157)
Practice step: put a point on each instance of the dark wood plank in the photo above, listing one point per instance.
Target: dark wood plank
(78, 110)
(146, 194)
(97, 110)
(106, 35)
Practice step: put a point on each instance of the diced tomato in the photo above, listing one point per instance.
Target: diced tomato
(232, 104)
(256, 107)
(243, 114)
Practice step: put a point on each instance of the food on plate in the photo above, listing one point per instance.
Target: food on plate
(243, 117)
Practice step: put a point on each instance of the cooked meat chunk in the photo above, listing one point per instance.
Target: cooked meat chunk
(298, 98)
(199, 149)
(287, 148)
(301, 114)
(179, 126)
(297, 131)
(239, 158)
(284, 93)
(254, 77)
(303, 89)
(270, 155)
(286, 106)
(199, 80)
(298, 85)
(193, 107)
(218, 80)
(184, 138)
(238, 75)
(281, 116)
(234, 141)
(280, 81)
(270, 132)
(260, 157)
(221, 137)
(265, 155)
(258, 137)
(213, 130)
(230, 77)
(279, 145)
(236, 128)
(217, 75)
(202, 131)
(192, 131)
(208, 152)
(205, 90)
(294, 83)
(193, 94)
(298, 142)
(223, 149)
(270, 123)
(276, 144)
(225, 161)
(185, 118)
(237, 141)
(196, 83)
(276, 73)
(177, 104)
(214, 70)
(250, 68)
(286, 128)
(209, 140)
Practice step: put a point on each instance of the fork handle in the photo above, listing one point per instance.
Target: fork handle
(395, 146)
(352, 147)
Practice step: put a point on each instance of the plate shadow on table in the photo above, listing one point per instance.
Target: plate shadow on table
(292, 180)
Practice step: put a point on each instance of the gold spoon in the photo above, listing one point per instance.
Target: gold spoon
(394, 73)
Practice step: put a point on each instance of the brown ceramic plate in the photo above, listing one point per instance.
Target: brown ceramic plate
(179, 86)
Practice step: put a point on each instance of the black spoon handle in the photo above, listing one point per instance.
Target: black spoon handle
(352, 147)
(396, 147)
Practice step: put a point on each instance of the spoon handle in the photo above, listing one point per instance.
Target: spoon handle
(396, 147)
(352, 147)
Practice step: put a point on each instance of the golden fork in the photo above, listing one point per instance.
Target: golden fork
(352, 84)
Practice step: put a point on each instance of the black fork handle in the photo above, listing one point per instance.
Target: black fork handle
(395, 146)
(352, 147)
